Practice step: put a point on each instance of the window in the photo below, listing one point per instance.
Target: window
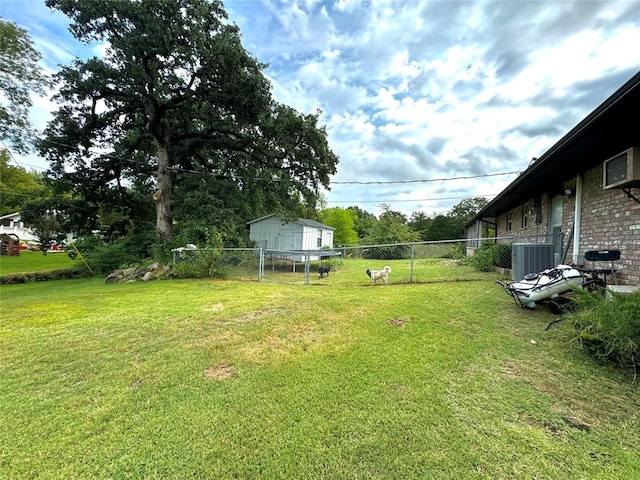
(319, 242)
(509, 221)
(525, 215)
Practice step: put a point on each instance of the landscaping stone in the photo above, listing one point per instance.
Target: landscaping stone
(146, 274)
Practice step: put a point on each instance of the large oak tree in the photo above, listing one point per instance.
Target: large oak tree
(177, 95)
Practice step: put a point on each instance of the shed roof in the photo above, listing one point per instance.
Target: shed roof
(301, 221)
(608, 130)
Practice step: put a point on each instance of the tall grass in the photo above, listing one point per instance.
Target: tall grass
(224, 379)
(609, 326)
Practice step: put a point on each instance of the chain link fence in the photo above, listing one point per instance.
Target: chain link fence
(408, 262)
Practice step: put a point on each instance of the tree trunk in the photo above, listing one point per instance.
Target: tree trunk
(164, 220)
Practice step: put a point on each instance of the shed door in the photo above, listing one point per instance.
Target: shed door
(286, 239)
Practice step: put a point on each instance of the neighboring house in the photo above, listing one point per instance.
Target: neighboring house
(273, 233)
(11, 223)
(582, 194)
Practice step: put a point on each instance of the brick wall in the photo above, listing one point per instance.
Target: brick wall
(532, 232)
(610, 220)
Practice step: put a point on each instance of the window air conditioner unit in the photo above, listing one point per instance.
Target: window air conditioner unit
(622, 170)
(530, 258)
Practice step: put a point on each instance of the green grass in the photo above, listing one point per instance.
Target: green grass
(29, 261)
(227, 379)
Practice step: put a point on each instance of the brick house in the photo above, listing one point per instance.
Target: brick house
(582, 194)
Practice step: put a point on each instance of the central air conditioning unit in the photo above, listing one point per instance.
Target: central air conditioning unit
(530, 258)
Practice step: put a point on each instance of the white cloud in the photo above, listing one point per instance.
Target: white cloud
(426, 89)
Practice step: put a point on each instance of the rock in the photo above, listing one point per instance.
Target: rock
(113, 277)
(130, 275)
(148, 276)
(128, 272)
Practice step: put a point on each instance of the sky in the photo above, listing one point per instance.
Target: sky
(425, 102)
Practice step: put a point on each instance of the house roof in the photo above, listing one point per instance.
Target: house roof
(608, 130)
(301, 221)
(14, 215)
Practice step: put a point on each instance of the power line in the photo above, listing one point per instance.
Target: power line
(411, 200)
(374, 182)
(425, 181)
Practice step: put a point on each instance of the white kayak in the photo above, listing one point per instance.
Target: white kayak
(547, 284)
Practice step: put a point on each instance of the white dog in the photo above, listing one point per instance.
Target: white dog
(374, 275)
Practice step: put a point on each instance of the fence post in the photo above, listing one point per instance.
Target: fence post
(413, 251)
(261, 265)
(307, 267)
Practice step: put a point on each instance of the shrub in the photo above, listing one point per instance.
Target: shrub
(482, 258)
(204, 262)
(187, 270)
(387, 252)
(502, 255)
(491, 255)
(104, 257)
(608, 326)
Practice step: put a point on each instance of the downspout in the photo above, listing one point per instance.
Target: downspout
(577, 221)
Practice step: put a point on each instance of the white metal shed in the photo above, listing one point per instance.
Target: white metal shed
(271, 232)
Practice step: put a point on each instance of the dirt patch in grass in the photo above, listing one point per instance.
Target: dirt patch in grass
(255, 315)
(216, 307)
(396, 322)
(222, 371)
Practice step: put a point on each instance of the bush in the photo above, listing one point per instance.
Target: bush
(387, 252)
(502, 255)
(609, 326)
(491, 255)
(482, 258)
(204, 262)
(104, 257)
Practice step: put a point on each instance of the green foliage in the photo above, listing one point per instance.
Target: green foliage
(387, 252)
(20, 76)
(205, 262)
(482, 258)
(467, 208)
(448, 226)
(18, 186)
(420, 223)
(215, 146)
(105, 257)
(490, 255)
(455, 251)
(364, 222)
(47, 220)
(108, 257)
(391, 228)
(502, 254)
(343, 220)
(187, 269)
(608, 326)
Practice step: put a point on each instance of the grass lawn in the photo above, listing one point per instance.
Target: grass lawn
(228, 379)
(29, 261)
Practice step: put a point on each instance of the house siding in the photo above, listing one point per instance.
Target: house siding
(12, 223)
(610, 220)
